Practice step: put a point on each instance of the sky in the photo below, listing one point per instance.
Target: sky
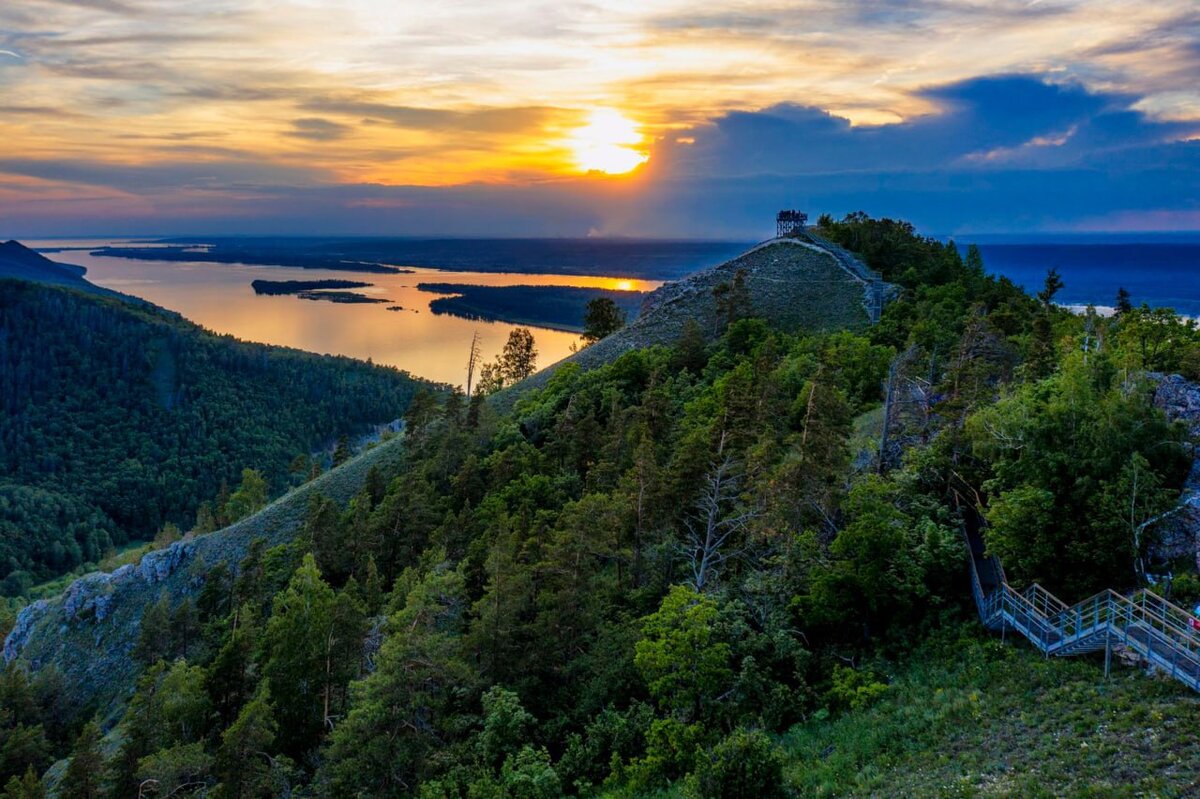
(657, 118)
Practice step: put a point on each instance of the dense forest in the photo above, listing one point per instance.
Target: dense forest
(643, 576)
(117, 419)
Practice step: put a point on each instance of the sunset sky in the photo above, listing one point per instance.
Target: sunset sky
(623, 117)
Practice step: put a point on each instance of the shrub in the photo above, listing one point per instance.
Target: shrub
(745, 764)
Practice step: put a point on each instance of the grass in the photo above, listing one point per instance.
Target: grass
(972, 717)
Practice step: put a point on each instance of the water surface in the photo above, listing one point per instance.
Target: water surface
(219, 297)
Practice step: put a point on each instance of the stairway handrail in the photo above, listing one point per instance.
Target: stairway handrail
(1163, 632)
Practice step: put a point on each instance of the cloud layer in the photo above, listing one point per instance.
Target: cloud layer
(397, 117)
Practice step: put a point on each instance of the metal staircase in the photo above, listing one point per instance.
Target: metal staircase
(1163, 635)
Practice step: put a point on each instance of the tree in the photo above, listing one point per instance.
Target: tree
(491, 380)
(1042, 358)
(341, 451)
(244, 763)
(733, 299)
(975, 260)
(83, 777)
(155, 638)
(300, 642)
(249, 498)
(691, 350)
(417, 699)
(715, 527)
(26, 787)
(423, 410)
(682, 657)
(519, 358)
(601, 319)
(473, 361)
(230, 678)
(162, 728)
(1124, 303)
(1050, 287)
(177, 770)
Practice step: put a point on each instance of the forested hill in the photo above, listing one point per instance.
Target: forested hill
(719, 562)
(117, 418)
(18, 261)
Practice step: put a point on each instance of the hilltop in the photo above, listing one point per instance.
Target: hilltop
(799, 283)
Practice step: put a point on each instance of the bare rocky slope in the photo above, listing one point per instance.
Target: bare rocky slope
(89, 631)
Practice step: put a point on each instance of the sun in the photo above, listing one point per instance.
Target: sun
(607, 143)
(624, 285)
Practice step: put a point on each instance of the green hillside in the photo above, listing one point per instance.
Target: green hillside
(706, 567)
(118, 418)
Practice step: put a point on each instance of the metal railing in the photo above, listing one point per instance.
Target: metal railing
(1162, 634)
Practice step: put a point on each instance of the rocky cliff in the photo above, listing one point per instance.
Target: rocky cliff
(1179, 532)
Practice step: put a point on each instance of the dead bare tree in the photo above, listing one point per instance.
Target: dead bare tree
(473, 360)
(713, 531)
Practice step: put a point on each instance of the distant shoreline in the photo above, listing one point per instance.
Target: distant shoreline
(554, 307)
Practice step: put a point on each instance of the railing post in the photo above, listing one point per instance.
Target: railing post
(1107, 652)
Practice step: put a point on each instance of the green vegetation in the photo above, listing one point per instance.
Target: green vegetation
(673, 575)
(965, 717)
(117, 419)
(602, 317)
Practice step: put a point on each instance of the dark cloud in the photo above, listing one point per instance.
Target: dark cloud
(212, 175)
(477, 120)
(317, 129)
(1001, 120)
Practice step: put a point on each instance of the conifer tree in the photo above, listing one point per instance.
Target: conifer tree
(27, 787)
(83, 777)
(244, 762)
(155, 637)
(601, 319)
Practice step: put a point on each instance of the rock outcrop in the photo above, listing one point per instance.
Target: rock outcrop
(1179, 532)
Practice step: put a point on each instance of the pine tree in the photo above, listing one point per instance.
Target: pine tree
(1043, 356)
(601, 319)
(244, 762)
(341, 452)
(417, 698)
(1124, 302)
(82, 779)
(231, 675)
(26, 787)
(155, 638)
(313, 645)
(690, 351)
(185, 629)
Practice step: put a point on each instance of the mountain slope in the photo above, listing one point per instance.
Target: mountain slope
(793, 283)
(19, 262)
(89, 631)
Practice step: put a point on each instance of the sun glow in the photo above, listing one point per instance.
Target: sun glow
(607, 143)
(624, 285)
